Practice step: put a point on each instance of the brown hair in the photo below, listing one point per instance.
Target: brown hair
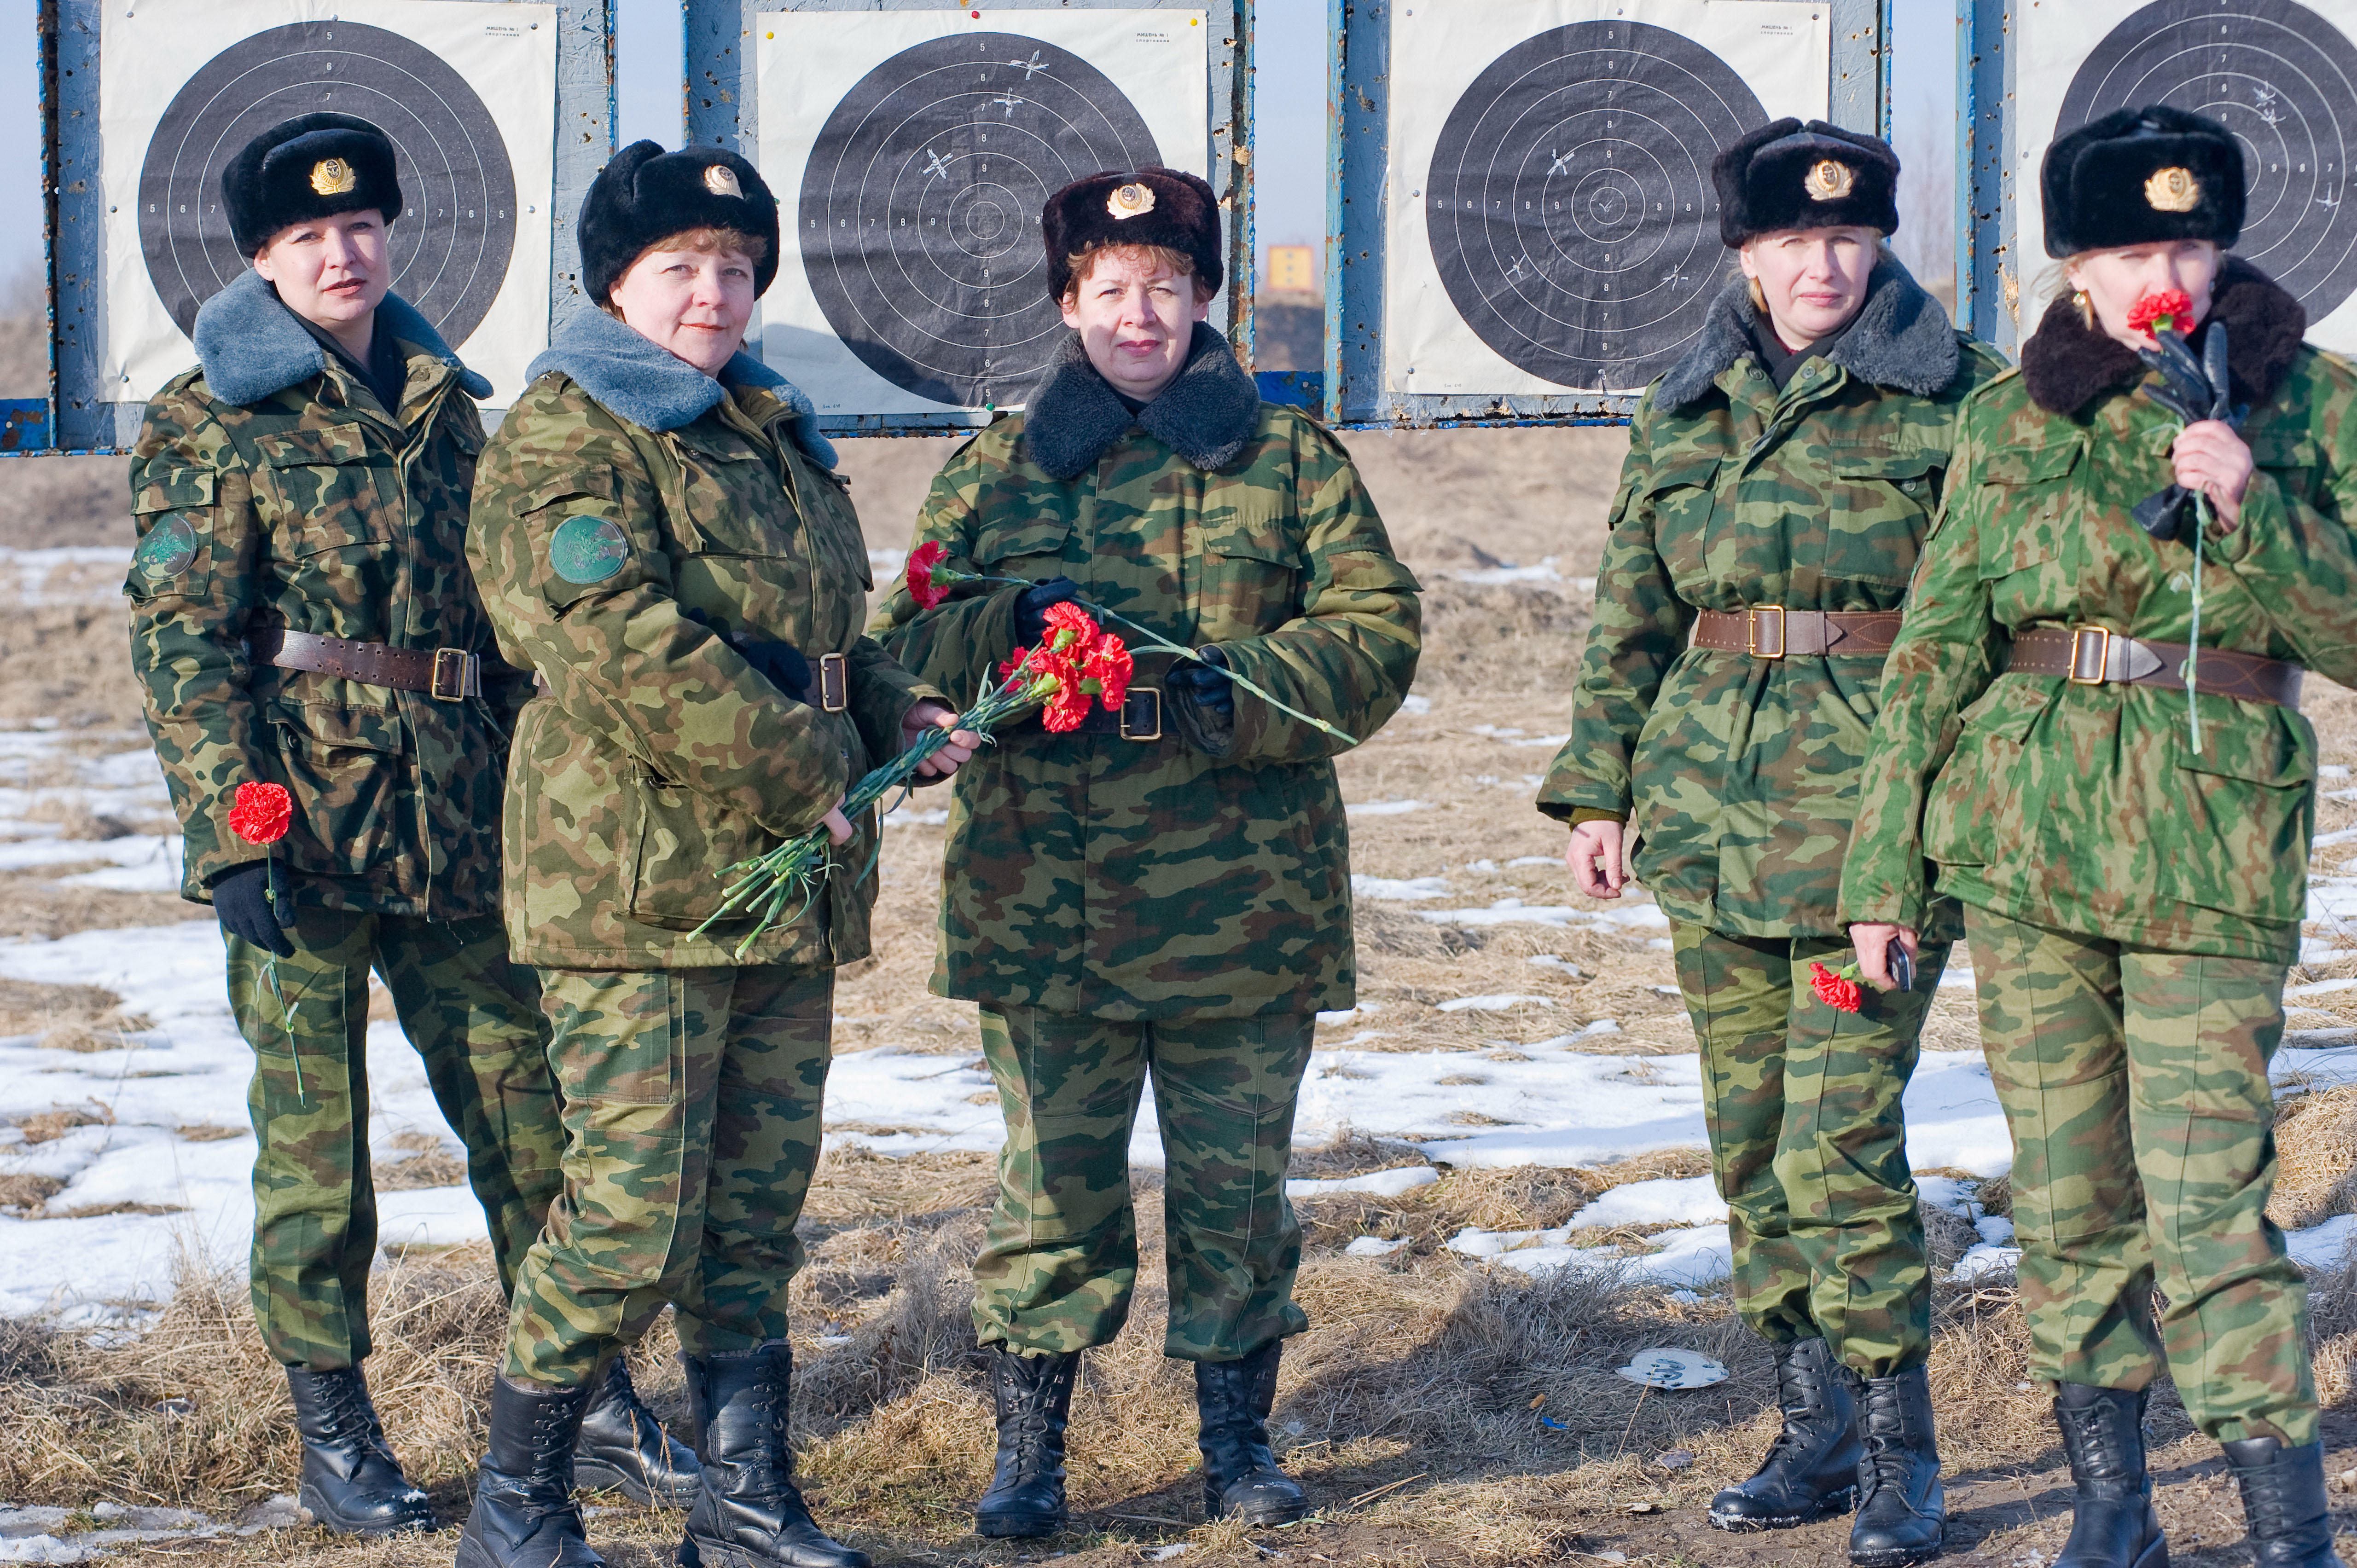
(1083, 262)
(706, 242)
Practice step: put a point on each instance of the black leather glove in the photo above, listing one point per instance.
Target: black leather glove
(1207, 683)
(1031, 607)
(781, 663)
(240, 900)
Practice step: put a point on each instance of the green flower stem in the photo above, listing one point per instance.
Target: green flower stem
(2193, 638)
(270, 972)
(1155, 642)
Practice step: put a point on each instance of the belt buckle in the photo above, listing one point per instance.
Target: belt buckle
(1136, 692)
(2083, 670)
(834, 684)
(1753, 620)
(457, 675)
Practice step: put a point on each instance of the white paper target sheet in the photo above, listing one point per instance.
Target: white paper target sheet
(466, 91)
(1551, 223)
(911, 153)
(2281, 75)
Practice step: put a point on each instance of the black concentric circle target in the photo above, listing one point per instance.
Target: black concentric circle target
(920, 208)
(452, 241)
(2284, 80)
(1569, 204)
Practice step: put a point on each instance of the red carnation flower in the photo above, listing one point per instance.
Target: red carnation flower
(1107, 668)
(1058, 679)
(1836, 991)
(1012, 662)
(260, 813)
(921, 562)
(1071, 618)
(2169, 310)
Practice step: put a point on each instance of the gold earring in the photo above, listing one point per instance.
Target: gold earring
(2086, 309)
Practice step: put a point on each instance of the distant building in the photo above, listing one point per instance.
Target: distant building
(1292, 269)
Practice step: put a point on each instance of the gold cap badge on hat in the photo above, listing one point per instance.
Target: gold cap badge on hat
(333, 177)
(721, 180)
(1830, 180)
(2172, 191)
(1131, 200)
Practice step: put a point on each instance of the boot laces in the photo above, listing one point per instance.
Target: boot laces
(345, 1411)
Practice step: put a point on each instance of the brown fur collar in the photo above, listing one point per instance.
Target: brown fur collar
(2066, 363)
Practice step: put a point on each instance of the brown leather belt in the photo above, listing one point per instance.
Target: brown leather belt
(2095, 656)
(1772, 631)
(445, 674)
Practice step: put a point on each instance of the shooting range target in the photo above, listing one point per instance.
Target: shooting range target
(2284, 80)
(920, 207)
(1569, 204)
(451, 242)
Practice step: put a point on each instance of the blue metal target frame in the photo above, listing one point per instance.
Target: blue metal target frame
(1350, 394)
(77, 417)
(721, 108)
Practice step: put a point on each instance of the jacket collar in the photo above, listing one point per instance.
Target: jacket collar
(1206, 415)
(649, 385)
(252, 346)
(1900, 339)
(2067, 364)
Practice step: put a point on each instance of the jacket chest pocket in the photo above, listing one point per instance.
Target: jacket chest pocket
(2291, 459)
(729, 501)
(1251, 567)
(1681, 497)
(1879, 507)
(2032, 515)
(1015, 539)
(835, 537)
(327, 489)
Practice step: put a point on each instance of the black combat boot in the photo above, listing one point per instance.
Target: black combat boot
(748, 1514)
(2283, 1501)
(524, 1513)
(1902, 1507)
(2113, 1524)
(1232, 1400)
(1033, 1395)
(352, 1483)
(1812, 1466)
(624, 1448)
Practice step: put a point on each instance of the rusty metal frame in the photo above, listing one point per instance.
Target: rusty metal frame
(76, 418)
(720, 107)
(1350, 393)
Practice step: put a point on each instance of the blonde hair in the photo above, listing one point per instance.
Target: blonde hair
(1083, 262)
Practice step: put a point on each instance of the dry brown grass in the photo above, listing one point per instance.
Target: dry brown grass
(68, 1017)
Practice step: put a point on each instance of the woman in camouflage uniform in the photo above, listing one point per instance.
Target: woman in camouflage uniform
(1780, 478)
(1167, 889)
(661, 536)
(2132, 862)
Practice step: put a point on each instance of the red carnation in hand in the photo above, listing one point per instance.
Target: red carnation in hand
(1105, 672)
(1836, 991)
(260, 813)
(921, 562)
(1071, 618)
(1058, 679)
(2169, 310)
(1012, 662)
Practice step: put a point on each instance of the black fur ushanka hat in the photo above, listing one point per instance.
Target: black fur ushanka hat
(646, 196)
(2140, 176)
(300, 171)
(1786, 175)
(1146, 207)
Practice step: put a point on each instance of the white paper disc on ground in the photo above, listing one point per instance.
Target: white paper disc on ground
(1666, 1368)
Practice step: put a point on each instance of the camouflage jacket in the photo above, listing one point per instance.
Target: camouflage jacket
(1737, 775)
(1208, 877)
(271, 489)
(2086, 809)
(625, 496)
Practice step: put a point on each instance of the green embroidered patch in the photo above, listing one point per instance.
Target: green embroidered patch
(587, 549)
(168, 548)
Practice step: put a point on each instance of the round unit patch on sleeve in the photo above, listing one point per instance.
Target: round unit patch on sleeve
(168, 548)
(587, 549)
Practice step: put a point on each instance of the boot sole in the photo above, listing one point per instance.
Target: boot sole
(597, 1475)
(1752, 1524)
(308, 1498)
(1261, 1518)
(721, 1555)
(1898, 1557)
(1015, 1526)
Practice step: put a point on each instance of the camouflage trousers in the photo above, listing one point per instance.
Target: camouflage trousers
(2134, 1084)
(1060, 1263)
(692, 1100)
(474, 1019)
(1808, 1141)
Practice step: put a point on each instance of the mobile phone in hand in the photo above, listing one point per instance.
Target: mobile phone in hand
(1895, 959)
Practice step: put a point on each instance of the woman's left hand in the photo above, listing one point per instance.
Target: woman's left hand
(2210, 459)
(930, 714)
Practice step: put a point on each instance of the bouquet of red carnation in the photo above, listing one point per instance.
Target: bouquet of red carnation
(1077, 663)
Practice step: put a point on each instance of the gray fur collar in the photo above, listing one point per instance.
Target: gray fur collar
(1207, 413)
(252, 346)
(649, 385)
(1901, 339)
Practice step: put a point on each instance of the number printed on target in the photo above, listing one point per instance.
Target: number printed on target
(920, 208)
(1569, 204)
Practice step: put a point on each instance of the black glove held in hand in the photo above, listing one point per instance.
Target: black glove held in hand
(1031, 607)
(241, 899)
(1208, 684)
